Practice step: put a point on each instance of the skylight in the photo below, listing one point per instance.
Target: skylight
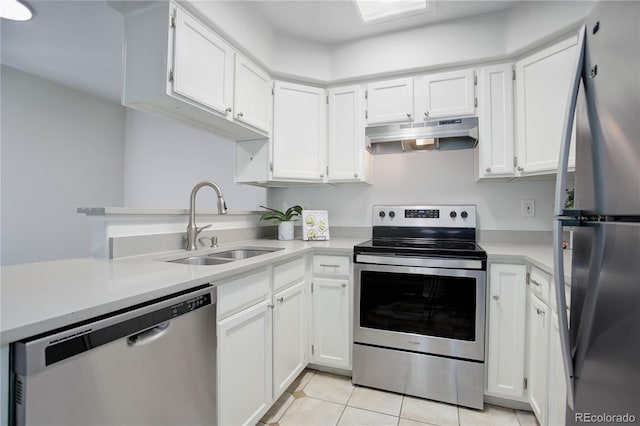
(373, 11)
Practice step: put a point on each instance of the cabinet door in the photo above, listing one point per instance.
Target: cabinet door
(390, 101)
(202, 64)
(445, 95)
(289, 336)
(347, 154)
(557, 384)
(299, 132)
(538, 317)
(542, 90)
(507, 307)
(495, 115)
(244, 366)
(331, 327)
(252, 95)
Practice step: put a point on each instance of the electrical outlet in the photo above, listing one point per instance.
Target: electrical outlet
(528, 208)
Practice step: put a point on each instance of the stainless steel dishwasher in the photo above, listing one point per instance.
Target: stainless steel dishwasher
(152, 364)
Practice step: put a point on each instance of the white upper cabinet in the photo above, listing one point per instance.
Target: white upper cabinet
(449, 94)
(507, 307)
(542, 90)
(202, 64)
(495, 150)
(390, 101)
(299, 132)
(176, 66)
(348, 159)
(252, 95)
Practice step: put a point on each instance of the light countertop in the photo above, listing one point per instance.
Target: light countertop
(539, 255)
(42, 296)
(39, 297)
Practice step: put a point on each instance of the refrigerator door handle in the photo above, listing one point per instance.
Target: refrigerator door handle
(561, 186)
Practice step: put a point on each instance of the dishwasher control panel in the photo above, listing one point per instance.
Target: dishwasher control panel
(191, 304)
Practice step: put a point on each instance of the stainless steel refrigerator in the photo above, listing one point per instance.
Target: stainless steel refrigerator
(601, 342)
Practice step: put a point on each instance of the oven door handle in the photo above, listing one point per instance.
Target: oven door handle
(417, 261)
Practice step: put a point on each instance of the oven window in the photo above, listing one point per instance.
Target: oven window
(421, 304)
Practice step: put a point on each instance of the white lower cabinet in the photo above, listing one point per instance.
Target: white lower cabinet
(331, 311)
(289, 336)
(244, 365)
(538, 318)
(262, 339)
(331, 341)
(557, 384)
(506, 337)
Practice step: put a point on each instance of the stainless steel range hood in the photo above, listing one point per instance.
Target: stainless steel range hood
(459, 133)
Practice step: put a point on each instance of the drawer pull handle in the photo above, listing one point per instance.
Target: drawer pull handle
(344, 285)
(324, 265)
(535, 282)
(280, 299)
(540, 311)
(496, 297)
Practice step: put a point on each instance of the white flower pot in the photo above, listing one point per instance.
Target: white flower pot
(285, 231)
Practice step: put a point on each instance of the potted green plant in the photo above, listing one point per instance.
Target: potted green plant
(284, 220)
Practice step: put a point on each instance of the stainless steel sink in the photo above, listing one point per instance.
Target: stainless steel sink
(201, 260)
(222, 257)
(242, 253)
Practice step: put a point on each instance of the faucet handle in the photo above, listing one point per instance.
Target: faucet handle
(199, 230)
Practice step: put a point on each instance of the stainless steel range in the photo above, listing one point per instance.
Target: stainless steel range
(420, 287)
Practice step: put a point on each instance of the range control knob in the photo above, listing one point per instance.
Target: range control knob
(392, 214)
(381, 214)
(464, 214)
(453, 214)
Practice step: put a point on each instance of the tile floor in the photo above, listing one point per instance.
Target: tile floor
(316, 398)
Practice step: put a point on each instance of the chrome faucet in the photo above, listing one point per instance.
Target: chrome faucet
(192, 229)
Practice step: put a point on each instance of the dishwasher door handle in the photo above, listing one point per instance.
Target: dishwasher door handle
(149, 335)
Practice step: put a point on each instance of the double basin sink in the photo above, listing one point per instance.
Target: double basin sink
(226, 256)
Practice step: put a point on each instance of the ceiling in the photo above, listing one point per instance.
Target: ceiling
(79, 43)
(336, 21)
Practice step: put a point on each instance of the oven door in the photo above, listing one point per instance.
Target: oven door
(428, 310)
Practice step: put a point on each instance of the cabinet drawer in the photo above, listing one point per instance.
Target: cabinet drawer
(331, 265)
(286, 273)
(540, 283)
(242, 292)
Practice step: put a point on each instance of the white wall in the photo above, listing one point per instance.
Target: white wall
(61, 149)
(452, 43)
(165, 158)
(294, 57)
(238, 22)
(532, 22)
(428, 178)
